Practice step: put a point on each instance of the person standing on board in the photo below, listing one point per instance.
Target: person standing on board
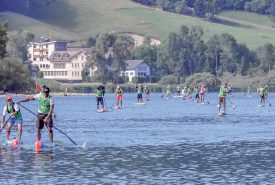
(248, 91)
(197, 96)
(263, 91)
(99, 97)
(139, 93)
(178, 90)
(15, 118)
(119, 94)
(202, 93)
(147, 93)
(168, 92)
(45, 112)
(222, 98)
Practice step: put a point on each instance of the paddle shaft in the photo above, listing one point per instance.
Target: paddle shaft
(53, 126)
(5, 124)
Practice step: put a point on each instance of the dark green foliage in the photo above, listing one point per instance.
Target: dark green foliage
(211, 8)
(14, 76)
(3, 39)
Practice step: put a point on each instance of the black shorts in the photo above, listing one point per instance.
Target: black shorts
(197, 96)
(40, 121)
(139, 96)
(99, 100)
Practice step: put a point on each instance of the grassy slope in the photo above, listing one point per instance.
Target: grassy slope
(254, 18)
(84, 18)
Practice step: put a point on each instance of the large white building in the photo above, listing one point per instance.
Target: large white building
(66, 65)
(136, 68)
(57, 61)
(39, 52)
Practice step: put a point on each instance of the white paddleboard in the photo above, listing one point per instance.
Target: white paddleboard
(140, 103)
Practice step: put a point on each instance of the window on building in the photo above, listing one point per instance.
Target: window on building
(126, 74)
(65, 73)
(34, 59)
(46, 45)
(72, 65)
(131, 73)
(82, 58)
(34, 46)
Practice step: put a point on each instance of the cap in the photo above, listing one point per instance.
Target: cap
(46, 90)
(9, 98)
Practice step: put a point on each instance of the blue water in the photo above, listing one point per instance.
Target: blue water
(163, 142)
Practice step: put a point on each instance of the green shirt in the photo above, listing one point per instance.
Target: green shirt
(223, 92)
(12, 108)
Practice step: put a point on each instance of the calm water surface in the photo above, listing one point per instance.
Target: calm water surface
(164, 142)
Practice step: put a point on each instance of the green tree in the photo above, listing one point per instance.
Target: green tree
(19, 44)
(148, 53)
(200, 8)
(122, 50)
(14, 76)
(266, 55)
(3, 39)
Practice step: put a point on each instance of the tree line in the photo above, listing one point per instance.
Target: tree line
(181, 54)
(15, 76)
(185, 53)
(211, 8)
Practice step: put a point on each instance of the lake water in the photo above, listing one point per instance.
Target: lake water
(163, 142)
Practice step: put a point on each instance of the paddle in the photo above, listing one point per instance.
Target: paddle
(5, 124)
(232, 104)
(113, 104)
(104, 102)
(53, 126)
(268, 102)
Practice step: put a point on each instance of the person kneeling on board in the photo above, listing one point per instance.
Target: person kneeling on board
(45, 111)
(15, 119)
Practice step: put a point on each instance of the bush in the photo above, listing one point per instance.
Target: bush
(168, 80)
(203, 78)
(15, 76)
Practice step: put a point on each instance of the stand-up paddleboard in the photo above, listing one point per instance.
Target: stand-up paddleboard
(118, 107)
(178, 96)
(102, 110)
(222, 114)
(13, 142)
(140, 103)
(39, 146)
(261, 105)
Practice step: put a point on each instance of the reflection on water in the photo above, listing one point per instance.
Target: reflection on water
(164, 142)
(214, 163)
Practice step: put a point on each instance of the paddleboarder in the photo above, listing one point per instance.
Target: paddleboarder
(15, 119)
(119, 95)
(222, 98)
(45, 112)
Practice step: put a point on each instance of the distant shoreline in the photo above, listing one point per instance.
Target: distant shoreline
(53, 94)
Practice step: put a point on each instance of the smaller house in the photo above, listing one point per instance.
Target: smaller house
(136, 68)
